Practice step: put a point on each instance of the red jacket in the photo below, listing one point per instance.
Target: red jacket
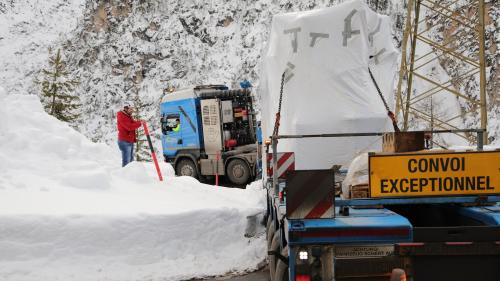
(126, 127)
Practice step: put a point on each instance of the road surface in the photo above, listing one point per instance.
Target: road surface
(262, 275)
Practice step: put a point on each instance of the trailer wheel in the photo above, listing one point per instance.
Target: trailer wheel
(238, 171)
(269, 224)
(282, 268)
(186, 167)
(270, 235)
(275, 246)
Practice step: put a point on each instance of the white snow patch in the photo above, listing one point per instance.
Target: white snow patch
(68, 211)
(474, 148)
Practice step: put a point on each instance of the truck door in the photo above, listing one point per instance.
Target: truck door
(171, 127)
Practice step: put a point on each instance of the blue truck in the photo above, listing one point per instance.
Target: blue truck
(430, 215)
(210, 130)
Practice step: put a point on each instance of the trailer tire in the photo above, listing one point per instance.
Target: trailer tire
(269, 224)
(275, 246)
(186, 167)
(270, 235)
(238, 171)
(282, 268)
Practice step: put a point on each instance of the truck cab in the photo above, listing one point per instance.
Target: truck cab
(210, 130)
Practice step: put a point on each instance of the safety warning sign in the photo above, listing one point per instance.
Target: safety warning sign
(435, 174)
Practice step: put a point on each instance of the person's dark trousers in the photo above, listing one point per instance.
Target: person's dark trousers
(127, 150)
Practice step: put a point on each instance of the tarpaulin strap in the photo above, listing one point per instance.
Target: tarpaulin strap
(187, 118)
(389, 112)
(278, 114)
(279, 256)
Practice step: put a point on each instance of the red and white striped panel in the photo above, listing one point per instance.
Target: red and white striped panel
(286, 162)
(310, 194)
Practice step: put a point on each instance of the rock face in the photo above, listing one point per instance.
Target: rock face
(134, 49)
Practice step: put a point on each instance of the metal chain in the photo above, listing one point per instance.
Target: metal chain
(378, 90)
(281, 90)
(389, 112)
(278, 114)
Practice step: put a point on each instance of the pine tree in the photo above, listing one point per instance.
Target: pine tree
(57, 90)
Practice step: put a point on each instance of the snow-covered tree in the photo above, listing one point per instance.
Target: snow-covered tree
(57, 90)
(141, 150)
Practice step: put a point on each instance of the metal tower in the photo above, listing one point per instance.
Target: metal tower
(422, 45)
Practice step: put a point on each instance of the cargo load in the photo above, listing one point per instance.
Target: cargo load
(325, 54)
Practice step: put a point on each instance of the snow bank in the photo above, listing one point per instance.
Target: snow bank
(68, 211)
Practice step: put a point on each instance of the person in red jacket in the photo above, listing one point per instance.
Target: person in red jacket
(126, 133)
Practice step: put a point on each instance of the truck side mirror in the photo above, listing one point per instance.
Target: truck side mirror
(179, 141)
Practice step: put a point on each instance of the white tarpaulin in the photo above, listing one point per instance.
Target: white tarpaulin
(325, 55)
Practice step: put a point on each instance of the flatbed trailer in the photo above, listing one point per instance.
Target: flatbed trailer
(448, 235)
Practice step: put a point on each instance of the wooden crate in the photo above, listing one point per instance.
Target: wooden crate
(403, 141)
(359, 191)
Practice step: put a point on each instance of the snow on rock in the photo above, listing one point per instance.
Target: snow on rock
(132, 49)
(68, 211)
(27, 29)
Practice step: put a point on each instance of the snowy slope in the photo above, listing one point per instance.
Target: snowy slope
(27, 29)
(68, 211)
(449, 68)
(133, 49)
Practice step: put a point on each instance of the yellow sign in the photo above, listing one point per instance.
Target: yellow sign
(435, 174)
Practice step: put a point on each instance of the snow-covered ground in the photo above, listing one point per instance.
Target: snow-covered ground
(68, 211)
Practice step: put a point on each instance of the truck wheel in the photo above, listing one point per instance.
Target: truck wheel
(186, 167)
(275, 246)
(282, 268)
(238, 171)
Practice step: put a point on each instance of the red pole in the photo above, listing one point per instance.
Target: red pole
(153, 154)
(217, 169)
